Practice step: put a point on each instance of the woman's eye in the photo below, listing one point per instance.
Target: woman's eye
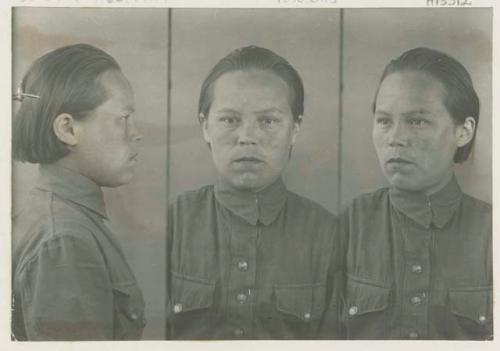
(418, 122)
(269, 121)
(383, 121)
(228, 120)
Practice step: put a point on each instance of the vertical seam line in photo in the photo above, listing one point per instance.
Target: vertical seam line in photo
(168, 158)
(340, 110)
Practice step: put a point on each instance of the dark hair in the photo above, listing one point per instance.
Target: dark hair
(254, 57)
(62, 81)
(461, 100)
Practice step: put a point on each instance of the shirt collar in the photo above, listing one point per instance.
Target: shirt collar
(72, 186)
(436, 209)
(263, 206)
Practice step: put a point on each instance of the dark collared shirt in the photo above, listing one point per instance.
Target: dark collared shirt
(418, 267)
(251, 265)
(70, 278)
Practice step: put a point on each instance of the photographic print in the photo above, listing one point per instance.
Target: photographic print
(305, 171)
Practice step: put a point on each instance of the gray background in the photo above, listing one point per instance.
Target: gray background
(333, 159)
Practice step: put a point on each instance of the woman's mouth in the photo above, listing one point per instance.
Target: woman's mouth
(249, 159)
(397, 164)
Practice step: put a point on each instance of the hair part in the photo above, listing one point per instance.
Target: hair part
(461, 100)
(67, 80)
(254, 57)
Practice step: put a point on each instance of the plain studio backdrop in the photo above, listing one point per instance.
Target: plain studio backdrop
(333, 159)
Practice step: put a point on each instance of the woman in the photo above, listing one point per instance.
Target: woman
(247, 258)
(419, 258)
(71, 280)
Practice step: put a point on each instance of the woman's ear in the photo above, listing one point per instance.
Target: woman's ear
(296, 128)
(465, 132)
(204, 126)
(65, 129)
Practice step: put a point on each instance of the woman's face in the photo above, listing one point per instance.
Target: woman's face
(414, 135)
(106, 151)
(250, 128)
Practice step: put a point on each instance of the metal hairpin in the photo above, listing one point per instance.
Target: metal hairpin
(20, 95)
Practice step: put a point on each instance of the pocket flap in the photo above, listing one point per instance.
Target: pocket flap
(364, 297)
(189, 293)
(129, 300)
(472, 303)
(306, 302)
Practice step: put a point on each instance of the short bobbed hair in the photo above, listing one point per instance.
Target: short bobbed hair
(461, 100)
(65, 80)
(249, 58)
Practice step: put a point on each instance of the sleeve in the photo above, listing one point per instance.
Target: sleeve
(66, 293)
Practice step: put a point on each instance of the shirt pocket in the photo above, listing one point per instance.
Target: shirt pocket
(191, 307)
(365, 312)
(129, 319)
(473, 310)
(303, 302)
(189, 293)
(295, 312)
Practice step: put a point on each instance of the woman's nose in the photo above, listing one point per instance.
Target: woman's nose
(134, 133)
(247, 133)
(398, 135)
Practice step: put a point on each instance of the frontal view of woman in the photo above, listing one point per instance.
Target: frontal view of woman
(247, 258)
(71, 280)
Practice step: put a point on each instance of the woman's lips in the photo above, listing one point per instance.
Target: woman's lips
(250, 159)
(398, 160)
(396, 164)
(247, 163)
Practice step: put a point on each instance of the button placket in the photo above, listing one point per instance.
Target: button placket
(242, 278)
(416, 282)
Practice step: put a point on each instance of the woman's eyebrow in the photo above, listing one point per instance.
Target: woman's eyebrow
(270, 110)
(419, 111)
(227, 110)
(404, 114)
(382, 112)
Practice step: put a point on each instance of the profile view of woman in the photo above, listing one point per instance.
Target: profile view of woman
(70, 278)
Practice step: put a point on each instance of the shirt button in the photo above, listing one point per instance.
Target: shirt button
(238, 332)
(353, 310)
(413, 335)
(242, 266)
(178, 308)
(241, 298)
(416, 300)
(416, 268)
(482, 319)
(307, 316)
(134, 316)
